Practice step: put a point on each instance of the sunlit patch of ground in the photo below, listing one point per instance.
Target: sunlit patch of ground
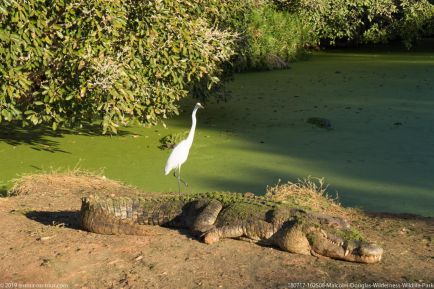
(42, 243)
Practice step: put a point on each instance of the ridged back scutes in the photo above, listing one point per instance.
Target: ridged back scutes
(116, 205)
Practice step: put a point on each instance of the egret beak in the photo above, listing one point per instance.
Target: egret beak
(200, 105)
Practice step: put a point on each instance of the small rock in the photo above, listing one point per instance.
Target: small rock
(45, 262)
(403, 231)
(44, 238)
(138, 258)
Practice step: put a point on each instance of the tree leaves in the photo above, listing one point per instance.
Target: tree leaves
(67, 61)
(363, 21)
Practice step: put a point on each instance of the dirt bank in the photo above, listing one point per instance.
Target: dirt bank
(43, 243)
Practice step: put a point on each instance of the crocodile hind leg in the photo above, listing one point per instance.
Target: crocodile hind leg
(206, 218)
(257, 230)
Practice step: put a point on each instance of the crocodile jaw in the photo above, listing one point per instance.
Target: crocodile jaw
(351, 250)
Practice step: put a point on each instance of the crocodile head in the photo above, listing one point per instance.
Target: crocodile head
(326, 236)
(342, 247)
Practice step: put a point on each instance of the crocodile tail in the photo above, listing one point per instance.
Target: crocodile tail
(102, 223)
(98, 221)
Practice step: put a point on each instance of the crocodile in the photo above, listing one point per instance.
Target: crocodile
(218, 215)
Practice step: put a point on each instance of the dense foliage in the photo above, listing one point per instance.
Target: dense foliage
(67, 61)
(363, 21)
(63, 62)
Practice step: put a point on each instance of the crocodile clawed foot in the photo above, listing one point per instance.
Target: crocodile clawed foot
(210, 237)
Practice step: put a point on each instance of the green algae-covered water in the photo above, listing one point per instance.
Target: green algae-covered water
(379, 155)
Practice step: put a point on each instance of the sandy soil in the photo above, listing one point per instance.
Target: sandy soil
(41, 242)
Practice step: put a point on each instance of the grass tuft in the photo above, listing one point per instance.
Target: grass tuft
(308, 193)
(68, 181)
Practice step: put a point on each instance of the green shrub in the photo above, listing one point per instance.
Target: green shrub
(363, 21)
(67, 61)
(416, 20)
(275, 38)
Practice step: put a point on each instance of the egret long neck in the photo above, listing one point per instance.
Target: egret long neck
(193, 127)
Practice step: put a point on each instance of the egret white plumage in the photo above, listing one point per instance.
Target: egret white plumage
(180, 153)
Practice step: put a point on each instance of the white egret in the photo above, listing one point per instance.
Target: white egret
(180, 153)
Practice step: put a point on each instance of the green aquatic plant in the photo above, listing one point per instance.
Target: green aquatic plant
(171, 140)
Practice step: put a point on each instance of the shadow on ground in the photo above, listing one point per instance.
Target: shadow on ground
(71, 220)
(43, 138)
(402, 217)
(68, 219)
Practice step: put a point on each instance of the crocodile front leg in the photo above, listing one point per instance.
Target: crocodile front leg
(291, 238)
(256, 230)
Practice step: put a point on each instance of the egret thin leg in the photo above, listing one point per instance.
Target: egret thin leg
(179, 174)
(178, 178)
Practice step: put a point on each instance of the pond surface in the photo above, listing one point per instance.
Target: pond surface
(379, 155)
